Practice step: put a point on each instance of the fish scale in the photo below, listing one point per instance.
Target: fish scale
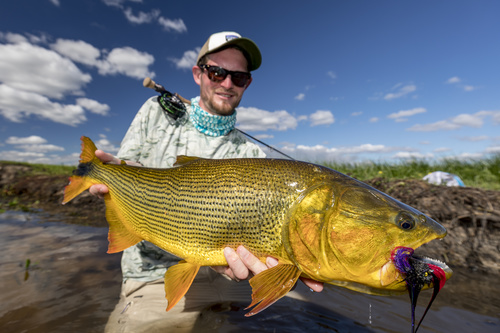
(204, 218)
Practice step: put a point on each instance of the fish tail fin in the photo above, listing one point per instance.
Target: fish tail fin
(79, 181)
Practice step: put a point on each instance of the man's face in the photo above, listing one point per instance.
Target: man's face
(221, 98)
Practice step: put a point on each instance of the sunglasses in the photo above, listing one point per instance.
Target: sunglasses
(219, 74)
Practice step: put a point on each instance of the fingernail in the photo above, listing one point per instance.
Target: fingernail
(230, 254)
(271, 262)
(243, 252)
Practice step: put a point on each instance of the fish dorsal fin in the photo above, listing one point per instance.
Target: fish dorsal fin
(183, 160)
(270, 285)
(178, 279)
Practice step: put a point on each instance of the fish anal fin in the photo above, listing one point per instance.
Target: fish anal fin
(183, 160)
(178, 279)
(270, 285)
(119, 236)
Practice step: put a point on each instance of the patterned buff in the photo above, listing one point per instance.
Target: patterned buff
(209, 124)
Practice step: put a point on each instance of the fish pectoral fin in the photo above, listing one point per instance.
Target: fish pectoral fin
(119, 237)
(270, 285)
(178, 279)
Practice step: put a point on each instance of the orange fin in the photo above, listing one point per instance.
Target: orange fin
(182, 160)
(119, 236)
(79, 182)
(178, 279)
(270, 285)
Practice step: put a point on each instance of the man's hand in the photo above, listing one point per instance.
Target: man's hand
(242, 265)
(100, 189)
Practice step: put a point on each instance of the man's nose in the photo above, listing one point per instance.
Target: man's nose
(227, 83)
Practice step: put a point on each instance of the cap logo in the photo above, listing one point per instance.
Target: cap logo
(231, 37)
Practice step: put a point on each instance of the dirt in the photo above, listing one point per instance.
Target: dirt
(471, 215)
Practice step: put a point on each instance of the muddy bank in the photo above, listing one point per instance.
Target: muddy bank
(471, 215)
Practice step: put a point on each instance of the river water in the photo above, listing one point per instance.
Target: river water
(72, 285)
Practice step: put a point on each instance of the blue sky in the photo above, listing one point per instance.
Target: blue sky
(340, 80)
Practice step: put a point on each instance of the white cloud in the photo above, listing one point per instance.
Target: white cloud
(400, 91)
(471, 120)
(13, 38)
(141, 17)
(77, 50)
(16, 105)
(442, 150)
(176, 25)
(188, 59)
(403, 114)
(35, 69)
(104, 144)
(453, 80)
(300, 97)
(493, 150)
(321, 117)
(346, 153)
(412, 155)
(374, 119)
(469, 88)
(93, 106)
(119, 3)
(29, 140)
(127, 61)
(253, 119)
(55, 2)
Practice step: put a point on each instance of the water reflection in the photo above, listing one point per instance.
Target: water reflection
(58, 278)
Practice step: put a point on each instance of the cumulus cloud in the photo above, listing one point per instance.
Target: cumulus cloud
(141, 17)
(35, 69)
(176, 25)
(188, 59)
(28, 140)
(104, 144)
(475, 120)
(33, 144)
(16, 105)
(404, 114)
(77, 50)
(400, 91)
(254, 119)
(321, 117)
(374, 119)
(93, 106)
(127, 61)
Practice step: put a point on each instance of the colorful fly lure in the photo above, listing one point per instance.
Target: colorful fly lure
(417, 273)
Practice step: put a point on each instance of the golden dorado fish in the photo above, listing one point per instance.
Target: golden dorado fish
(317, 222)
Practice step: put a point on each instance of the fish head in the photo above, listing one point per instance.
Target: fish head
(358, 228)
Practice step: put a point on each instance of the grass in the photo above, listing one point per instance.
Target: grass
(484, 173)
(44, 169)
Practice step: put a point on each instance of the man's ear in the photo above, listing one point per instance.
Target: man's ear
(197, 72)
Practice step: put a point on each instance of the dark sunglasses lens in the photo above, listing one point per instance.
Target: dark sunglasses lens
(240, 79)
(216, 73)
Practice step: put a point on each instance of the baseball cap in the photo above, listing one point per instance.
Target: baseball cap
(222, 40)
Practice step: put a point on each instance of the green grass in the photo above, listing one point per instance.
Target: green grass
(484, 173)
(45, 169)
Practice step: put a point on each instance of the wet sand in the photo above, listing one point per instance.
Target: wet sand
(72, 285)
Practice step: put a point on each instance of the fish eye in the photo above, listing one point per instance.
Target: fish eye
(405, 221)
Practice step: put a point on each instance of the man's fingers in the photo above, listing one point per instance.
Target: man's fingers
(237, 269)
(313, 284)
(106, 157)
(98, 190)
(251, 262)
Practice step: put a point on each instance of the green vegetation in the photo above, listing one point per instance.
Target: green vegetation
(44, 169)
(484, 173)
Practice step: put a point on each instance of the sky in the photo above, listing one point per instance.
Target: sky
(344, 81)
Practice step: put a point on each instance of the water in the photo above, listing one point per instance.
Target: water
(72, 285)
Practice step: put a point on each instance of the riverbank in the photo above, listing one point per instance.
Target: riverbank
(471, 215)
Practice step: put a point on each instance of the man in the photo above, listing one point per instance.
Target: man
(153, 140)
